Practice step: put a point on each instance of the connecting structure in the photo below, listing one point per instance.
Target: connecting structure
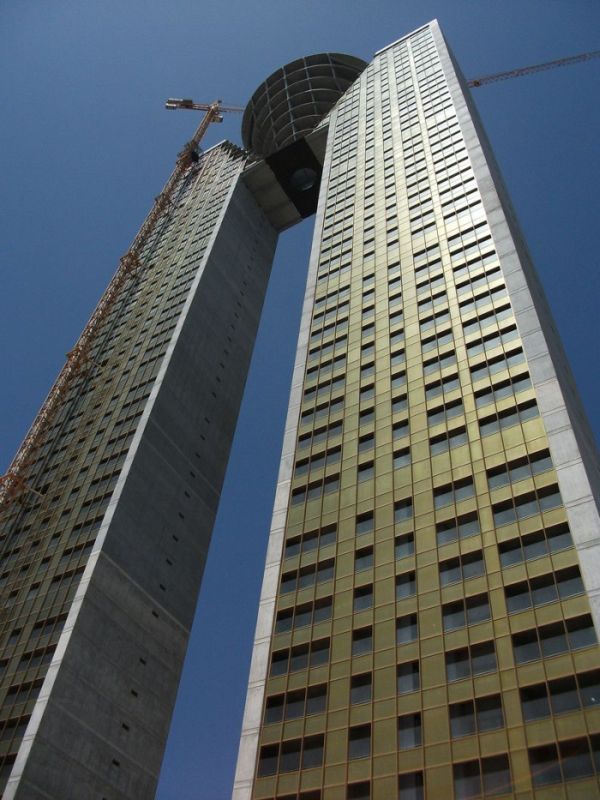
(429, 610)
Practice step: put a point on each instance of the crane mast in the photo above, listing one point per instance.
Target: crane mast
(517, 73)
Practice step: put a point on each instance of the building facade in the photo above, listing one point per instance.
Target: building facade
(103, 554)
(429, 612)
(430, 602)
(104, 544)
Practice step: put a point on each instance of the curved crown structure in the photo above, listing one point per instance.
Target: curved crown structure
(295, 98)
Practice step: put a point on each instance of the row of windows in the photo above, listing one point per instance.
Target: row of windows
(541, 589)
(519, 469)
(560, 695)
(303, 615)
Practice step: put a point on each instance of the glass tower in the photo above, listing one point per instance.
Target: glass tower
(428, 617)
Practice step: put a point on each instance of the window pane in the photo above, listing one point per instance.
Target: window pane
(563, 695)
(405, 585)
(489, 713)
(294, 706)
(274, 709)
(316, 699)
(543, 590)
(362, 641)
(409, 731)
(467, 782)
(290, 757)
(267, 764)
(483, 658)
(544, 765)
(575, 758)
(450, 572)
(360, 688)
(526, 648)
(553, 639)
(589, 686)
(462, 719)
(454, 616)
(408, 677)
(363, 598)
(472, 565)
(319, 653)
(496, 775)
(411, 786)
(359, 742)
(359, 791)
(279, 663)
(312, 753)
(581, 632)
(457, 665)
(534, 702)
(406, 629)
(405, 546)
(299, 659)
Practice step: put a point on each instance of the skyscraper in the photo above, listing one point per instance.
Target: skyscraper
(429, 610)
(427, 619)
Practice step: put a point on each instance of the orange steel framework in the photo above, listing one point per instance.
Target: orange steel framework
(517, 73)
(13, 483)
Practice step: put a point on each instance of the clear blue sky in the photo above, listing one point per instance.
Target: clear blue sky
(85, 146)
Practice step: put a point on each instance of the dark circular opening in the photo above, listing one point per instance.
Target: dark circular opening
(303, 179)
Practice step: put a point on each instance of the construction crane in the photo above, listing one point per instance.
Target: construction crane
(517, 73)
(13, 483)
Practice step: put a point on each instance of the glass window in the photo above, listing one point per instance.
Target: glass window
(589, 688)
(359, 791)
(363, 559)
(483, 658)
(563, 695)
(406, 585)
(462, 719)
(410, 786)
(405, 545)
(359, 742)
(312, 752)
(406, 629)
(408, 679)
(364, 523)
(294, 706)
(575, 759)
(362, 641)
(363, 598)
(534, 702)
(467, 781)
(409, 731)
(403, 509)
(361, 688)
(495, 771)
(316, 699)
(274, 708)
(544, 765)
(267, 762)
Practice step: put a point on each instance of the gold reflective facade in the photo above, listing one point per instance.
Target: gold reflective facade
(430, 633)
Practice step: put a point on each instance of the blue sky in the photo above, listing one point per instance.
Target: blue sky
(85, 146)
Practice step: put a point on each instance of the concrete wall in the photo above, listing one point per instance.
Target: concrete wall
(101, 722)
